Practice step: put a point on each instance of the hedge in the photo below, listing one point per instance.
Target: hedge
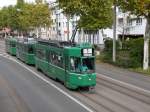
(129, 53)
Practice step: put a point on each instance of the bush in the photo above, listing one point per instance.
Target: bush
(136, 52)
(106, 55)
(129, 56)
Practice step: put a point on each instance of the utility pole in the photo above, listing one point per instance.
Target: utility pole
(114, 33)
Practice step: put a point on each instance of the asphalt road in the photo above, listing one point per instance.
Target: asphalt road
(22, 91)
(124, 75)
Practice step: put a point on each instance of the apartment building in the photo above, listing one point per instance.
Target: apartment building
(130, 25)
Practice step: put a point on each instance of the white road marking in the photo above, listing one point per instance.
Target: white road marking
(4, 54)
(50, 83)
(124, 83)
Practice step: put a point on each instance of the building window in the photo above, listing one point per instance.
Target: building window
(120, 21)
(59, 24)
(53, 28)
(128, 30)
(129, 22)
(139, 21)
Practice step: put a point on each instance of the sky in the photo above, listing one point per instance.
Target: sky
(12, 2)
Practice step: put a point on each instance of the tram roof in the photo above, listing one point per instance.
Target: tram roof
(27, 40)
(11, 40)
(63, 44)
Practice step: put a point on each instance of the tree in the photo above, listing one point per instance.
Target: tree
(8, 17)
(4, 17)
(94, 14)
(140, 8)
(38, 1)
(20, 3)
(34, 16)
(41, 16)
(25, 18)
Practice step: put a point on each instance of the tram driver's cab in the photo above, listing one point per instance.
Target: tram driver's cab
(83, 64)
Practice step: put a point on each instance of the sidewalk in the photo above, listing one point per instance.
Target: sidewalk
(124, 75)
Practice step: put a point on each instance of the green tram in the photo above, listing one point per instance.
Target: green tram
(72, 64)
(26, 50)
(10, 44)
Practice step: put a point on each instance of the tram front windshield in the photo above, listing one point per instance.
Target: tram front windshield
(82, 65)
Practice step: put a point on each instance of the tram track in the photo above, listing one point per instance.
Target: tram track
(96, 102)
(116, 104)
(105, 98)
(106, 103)
(100, 103)
(94, 105)
(145, 98)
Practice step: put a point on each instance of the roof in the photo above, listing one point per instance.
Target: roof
(64, 44)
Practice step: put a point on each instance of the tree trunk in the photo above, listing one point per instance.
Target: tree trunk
(82, 35)
(21, 34)
(146, 45)
(93, 37)
(103, 35)
(5, 35)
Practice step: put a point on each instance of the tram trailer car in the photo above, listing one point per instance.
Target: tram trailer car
(73, 65)
(10, 44)
(26, 51)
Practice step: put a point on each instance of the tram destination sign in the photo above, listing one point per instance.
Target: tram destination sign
(87, 52)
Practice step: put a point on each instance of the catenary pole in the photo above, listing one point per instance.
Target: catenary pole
(114, 33)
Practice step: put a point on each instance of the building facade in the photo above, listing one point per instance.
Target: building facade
(59, 29)
(130, 25)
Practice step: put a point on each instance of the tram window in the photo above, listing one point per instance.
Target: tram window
(53, 58)
(41, 54)
(75, 64)
(30, 50)
(89, 63)
(72, 64)
(60, 61)
(24, 48)
(13, 45)
(56, 60)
